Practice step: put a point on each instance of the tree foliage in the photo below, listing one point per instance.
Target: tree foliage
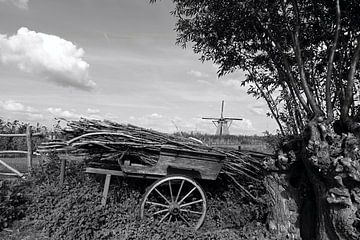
(300, 56)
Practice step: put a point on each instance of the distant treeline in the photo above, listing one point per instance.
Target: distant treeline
(260, 143)
(18, 143)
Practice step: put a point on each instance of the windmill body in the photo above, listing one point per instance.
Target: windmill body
(222, 124)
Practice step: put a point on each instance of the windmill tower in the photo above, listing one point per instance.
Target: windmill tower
(222, 124)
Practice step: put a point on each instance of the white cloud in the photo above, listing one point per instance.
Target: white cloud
(197, 73)
(49, 56)
(13, 106)
(155, 115)
(259, 110)
(22, 4)
(59, 112)
(244, 125)
(234, 83)
(35, 116)
(92, 110)
(196, 124)
(205, 82)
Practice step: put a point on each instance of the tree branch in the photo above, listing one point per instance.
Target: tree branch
(330, 66)
(286, 63)
(268, 102)
(297, 48)
(350, 82)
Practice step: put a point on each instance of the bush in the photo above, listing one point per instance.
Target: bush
(74, 211)
(12, 203)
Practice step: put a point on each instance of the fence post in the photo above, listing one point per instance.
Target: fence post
(62, 170)
(29, 148)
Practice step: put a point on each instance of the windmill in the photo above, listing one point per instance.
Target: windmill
(222, 124)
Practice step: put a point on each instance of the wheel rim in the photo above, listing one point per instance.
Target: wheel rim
(176, 199)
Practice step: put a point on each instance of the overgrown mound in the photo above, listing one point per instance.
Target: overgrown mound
(74, 211)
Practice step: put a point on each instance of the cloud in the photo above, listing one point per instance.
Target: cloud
(19, 111)
(13, 106)
(196, 124)
(59, 112)
(201, 81)
(49, 56)
(22, 4)
(244, 125)
(35, 116)
(92, 111)
(197, 73)
(155, 115)
(259, 110)
(234, 83)
(73, 114)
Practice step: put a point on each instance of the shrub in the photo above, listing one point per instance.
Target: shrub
(12, 203)
(73, 211)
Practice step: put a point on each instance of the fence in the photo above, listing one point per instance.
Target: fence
(29, 135)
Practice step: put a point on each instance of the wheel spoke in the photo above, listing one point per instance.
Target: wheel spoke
(164, 217)
(190, 211)
(160, 211)
(191, 203)
(171, 193)
(157, 204)
(177, 200)
(186, 195)
(162, 195)
(182, 218)
(178, 194)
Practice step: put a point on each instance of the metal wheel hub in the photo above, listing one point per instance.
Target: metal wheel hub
(174, 209)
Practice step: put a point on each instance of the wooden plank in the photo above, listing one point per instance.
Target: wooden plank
(19, 134)
(104, 171)
(203, 167)
(208, 170)
(62, 171)
(13, 152)
(121, 173)
(12, 169)
(106, 189)
(29, 147)
(9, 174)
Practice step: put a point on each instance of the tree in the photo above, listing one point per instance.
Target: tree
(302, 58)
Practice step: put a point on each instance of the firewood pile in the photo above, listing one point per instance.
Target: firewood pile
(104, 142)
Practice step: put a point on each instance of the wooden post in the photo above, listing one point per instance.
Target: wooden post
(29, 147)
(62, 171)
(106, 189)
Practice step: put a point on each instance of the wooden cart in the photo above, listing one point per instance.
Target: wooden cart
(175, 196)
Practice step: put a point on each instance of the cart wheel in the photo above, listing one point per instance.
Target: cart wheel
(177, 199)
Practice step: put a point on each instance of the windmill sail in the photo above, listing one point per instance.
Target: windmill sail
(222, 124)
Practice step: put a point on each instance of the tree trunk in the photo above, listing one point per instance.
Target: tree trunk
(283, 218)
(320, 181)
(332, 164)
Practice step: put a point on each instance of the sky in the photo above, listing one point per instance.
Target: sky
(115, 60)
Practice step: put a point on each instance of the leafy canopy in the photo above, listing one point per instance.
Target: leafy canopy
(300, 56)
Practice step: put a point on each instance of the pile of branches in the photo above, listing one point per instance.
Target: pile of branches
(105, 142)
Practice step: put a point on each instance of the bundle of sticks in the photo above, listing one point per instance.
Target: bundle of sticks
(105, 141)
